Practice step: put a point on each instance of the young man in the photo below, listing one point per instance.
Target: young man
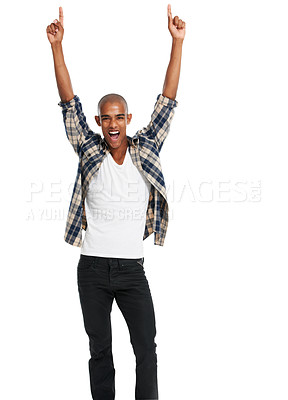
(119, 199)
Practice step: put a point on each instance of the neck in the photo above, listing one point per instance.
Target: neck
(120, 152)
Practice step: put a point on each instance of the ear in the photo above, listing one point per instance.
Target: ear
(129, 117)
(97, 119)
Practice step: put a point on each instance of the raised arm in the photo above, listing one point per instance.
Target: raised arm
(77, 129)
(55, 32)
(177, 29)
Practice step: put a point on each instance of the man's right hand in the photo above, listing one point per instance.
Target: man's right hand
(55, 31)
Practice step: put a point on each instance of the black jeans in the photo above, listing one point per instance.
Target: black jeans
(100, 280)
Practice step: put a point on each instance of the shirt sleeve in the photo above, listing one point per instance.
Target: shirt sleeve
(161, 118)
(76, 127)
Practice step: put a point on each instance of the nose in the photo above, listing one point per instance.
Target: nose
(113, 124)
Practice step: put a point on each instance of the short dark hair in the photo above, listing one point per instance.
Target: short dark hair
(111, 97)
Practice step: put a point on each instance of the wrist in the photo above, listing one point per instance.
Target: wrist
(56, 45)
(177, 40)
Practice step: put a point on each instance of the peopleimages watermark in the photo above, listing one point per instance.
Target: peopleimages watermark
(50, 200)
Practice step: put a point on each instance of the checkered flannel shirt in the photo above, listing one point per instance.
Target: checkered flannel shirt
(144, 148)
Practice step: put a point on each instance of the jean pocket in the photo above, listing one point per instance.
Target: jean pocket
(131, 262)
(85, 263)
(140, 261)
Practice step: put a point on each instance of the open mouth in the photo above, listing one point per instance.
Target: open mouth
(114, 134)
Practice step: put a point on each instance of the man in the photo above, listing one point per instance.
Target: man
(119, 199)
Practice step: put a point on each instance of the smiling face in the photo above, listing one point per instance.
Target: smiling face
(113, 118)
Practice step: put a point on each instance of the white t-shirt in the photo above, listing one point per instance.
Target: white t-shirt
(116, 205)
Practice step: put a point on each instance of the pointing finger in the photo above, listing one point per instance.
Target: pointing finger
(61, 16)
(169, 13)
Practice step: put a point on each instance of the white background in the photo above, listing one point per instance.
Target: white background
(219, 284)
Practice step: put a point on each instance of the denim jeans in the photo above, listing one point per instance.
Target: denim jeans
(100, 280)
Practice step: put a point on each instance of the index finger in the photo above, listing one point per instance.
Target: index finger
(169, 11)
(61, 16)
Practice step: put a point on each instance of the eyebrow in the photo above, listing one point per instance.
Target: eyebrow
(106, 115)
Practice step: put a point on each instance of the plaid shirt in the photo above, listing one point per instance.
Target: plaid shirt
(144, 148)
